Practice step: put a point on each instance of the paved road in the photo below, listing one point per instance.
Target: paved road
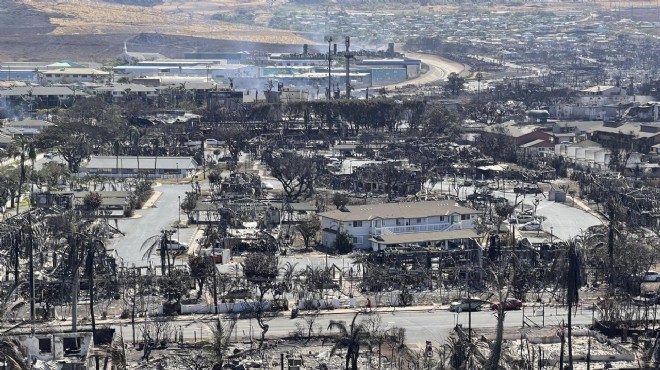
(565, 221)
(439, 69)
(433, 325)
(150, 222)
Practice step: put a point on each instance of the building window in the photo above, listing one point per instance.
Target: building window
(45, 345)
(355, 240)
(419, 220)
(357, 223)
(71, 346)
(399, 221)
(465, 217)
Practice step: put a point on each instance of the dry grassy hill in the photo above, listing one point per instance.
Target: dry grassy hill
(96, 29)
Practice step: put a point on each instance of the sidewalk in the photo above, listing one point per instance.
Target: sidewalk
(578, 203)
(150, 203)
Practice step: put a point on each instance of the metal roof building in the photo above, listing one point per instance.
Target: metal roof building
(130, 166)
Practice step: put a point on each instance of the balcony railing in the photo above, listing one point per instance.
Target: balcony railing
(390, 230)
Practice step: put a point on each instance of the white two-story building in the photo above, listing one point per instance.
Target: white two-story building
(378, 226)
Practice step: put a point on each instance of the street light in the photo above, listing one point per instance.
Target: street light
(178, 228)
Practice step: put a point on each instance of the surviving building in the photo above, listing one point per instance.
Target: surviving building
(442, 224)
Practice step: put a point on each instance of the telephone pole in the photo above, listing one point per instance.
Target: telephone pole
(348, 55)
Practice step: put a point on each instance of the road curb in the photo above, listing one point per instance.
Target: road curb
(152, 200)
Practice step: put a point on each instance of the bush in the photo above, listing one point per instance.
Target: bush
(343, 243)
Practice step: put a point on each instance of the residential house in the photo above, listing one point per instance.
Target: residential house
(573, 131)
(38, 97)
(521, 133)
(117, 93)
(378, 226)
(538, 147)
(71, 75)
(28, 127)
(642, 137)
(131, 166)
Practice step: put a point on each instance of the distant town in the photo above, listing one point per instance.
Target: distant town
(428, 188)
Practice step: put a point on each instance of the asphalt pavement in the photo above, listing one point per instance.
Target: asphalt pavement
(149, 222)
(421, 324)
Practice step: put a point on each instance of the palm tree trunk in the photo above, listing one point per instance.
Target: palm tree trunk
(494, 361)
(74, 300)
(570, 346)
(162, 258)
(91, 299)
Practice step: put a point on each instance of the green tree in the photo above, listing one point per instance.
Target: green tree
(189, 203)
(297, 173)
(71, 141)
(340, 200)
(308, 230)
(455, 83)
(438, 120)
(201, 269)
(91, 203)
(343, 243)
(52, 174)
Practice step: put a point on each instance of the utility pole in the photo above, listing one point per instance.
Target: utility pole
(480, 76)
(31, 267)
(348, 57)
(329, 40)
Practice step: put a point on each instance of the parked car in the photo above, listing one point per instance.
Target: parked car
(646, 299)
(509, 304)
(527, 189)
(241, 293)
(651, 276)
(175, 245)
(466, 305)
(523, 219)
(212, 142)
(532, 226)
(265, 185)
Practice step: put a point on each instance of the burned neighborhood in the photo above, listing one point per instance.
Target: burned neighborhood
(308, 184)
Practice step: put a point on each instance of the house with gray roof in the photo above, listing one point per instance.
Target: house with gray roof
(379, 226)
(131, 166)
(40, 97)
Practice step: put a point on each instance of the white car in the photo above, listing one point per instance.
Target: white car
(175, 245)
(651, 276)
(265, 185)
(212, 142)
(532, 226)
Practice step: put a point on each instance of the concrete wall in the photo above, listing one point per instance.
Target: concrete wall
(222, 307)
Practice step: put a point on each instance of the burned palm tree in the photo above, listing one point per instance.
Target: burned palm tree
(159, 243)
(13, 354)
(351, 337)
(573, 283)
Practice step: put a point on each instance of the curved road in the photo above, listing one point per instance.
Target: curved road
(439, 69)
